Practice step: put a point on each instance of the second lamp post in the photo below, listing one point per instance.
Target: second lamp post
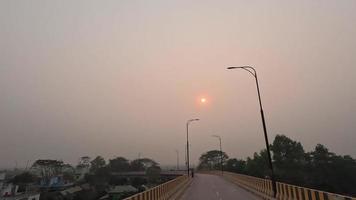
(187, 126)
(221, 154)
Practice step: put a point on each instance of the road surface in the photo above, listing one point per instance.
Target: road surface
(211, 187)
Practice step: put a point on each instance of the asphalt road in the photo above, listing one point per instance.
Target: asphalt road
(211, 187)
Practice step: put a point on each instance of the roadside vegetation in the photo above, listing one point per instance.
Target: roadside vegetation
(319, 169)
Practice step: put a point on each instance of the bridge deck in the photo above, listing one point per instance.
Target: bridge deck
(211, 187)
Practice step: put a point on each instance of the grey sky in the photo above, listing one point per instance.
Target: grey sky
(115, 78)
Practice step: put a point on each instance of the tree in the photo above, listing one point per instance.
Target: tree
(115, 180)
(137, 165)
(345, 177)
(258, 165)
(97, 163)
(235, 165)
(331, 172)
(84, 162)
(47, 168)
(153, 173)
(211, 160)
(119, 164)
(137, 182)
(319, 169)
(68, 176)
(142, 164)
(23, 178)
(289, 159)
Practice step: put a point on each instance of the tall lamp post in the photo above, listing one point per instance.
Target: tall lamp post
(187, 126)
(252, 71)
(221, 154)
(177, 152)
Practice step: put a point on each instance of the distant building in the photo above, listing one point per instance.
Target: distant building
(70, 192)
(11, 192)
(26, 196)
(56, 182)
(122, 191)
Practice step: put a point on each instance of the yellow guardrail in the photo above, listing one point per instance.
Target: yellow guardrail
(263, 187)
(291, 192)
(164, 191)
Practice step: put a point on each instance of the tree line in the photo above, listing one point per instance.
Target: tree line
(319, 169)
(99, 173)
(102, 172)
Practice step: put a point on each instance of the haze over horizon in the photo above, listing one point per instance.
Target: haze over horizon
(119, 78)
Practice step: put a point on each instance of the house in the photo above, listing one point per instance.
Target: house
(70, 192)
(26, 196)
(122, 191)
(56, 183)
(12, 192)
(9, 189)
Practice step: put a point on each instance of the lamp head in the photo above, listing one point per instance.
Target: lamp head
(240, 67)
(191, 120)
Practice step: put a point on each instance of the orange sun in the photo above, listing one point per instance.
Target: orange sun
(203, 100)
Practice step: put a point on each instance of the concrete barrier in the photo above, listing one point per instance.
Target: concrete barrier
(165, 191)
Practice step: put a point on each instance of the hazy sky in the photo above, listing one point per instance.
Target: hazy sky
(116, 78)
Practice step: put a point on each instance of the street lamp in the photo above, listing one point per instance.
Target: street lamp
(177, 152)
(187, 125)
(221, 154)
(252, 71)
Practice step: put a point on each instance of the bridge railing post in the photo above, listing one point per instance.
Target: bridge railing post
(163, 191)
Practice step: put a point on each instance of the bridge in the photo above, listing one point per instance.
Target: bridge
(212, 187)
(230, 186)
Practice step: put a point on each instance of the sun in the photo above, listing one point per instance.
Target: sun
(203, 100)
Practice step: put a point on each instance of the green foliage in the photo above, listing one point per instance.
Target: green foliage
(331, 172)
(23, 178)
(319, 169)
(258, 165)
(153, 173)
(289, 159)
(69, 176)
(84, 162)
(118, 180)
(119, 164)
(97, 163)
(103, 174)
(49, 168)
(235, 165)
(137, 165)
(142, 164)
(137, 182)
(211, 160)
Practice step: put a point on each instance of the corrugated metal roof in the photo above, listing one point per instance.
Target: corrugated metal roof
(123, 188)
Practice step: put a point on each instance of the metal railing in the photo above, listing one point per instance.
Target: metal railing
(164, 191)
(263, 187)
